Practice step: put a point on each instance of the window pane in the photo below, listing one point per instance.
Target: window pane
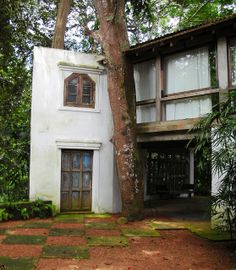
(145, 80)
(187, 71)
(86, 97)
(65, 161)
(87, 161)
(86, 180)
(188, 108)
(76, 161)
(86, 100)
(86, 87)
(75, 200)
(72, 90)
(146, 113)
(233, 61)
(75, 180)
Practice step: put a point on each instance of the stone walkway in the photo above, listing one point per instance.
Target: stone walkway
(70, 242)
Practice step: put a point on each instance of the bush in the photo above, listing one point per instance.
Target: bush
(26, 210)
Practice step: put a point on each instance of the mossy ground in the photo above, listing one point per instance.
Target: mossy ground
(36, 225)
(17, 263)
(69, 232)
(108, 241)
(70, 218)
(140, 232)
(101, 225)
(73, 252)
(2, 231)
(25, 239)
(201, 228)
(165, 225)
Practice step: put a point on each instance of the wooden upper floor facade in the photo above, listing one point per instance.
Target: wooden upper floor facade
(179, 78)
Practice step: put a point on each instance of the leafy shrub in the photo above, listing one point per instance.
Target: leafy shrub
(26, 210)
(24, 213)
(3, 214)
(40, 209)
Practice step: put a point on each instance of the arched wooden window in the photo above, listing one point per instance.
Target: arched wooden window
(79, 91)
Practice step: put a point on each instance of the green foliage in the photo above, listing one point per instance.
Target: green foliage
(25, 210)
(22, 25)
(3, 214)
(24, 213)
(149, 19)
(219, 128)
(41, 209)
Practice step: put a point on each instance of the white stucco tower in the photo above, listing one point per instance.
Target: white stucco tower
(72, 158)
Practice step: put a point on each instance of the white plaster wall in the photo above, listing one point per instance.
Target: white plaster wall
(54, 127)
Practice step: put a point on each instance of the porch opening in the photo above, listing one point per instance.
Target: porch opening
(174, 184)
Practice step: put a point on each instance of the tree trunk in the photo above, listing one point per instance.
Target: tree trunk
(60, 27)
(114, 39)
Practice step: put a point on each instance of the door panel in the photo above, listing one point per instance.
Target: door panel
(64, 200)
(86, 199)
(76, 180)
(86, 180)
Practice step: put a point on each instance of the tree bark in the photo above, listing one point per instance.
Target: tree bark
(114, 39)
(60, 27)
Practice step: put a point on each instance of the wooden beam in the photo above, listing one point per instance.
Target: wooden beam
(161, 138)
(188, 94)
(166, 126)
(146, 102)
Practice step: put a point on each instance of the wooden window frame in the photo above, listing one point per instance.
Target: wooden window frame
(185, 93)
(162, 98)
(79, 91)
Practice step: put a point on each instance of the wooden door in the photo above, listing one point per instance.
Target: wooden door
(76, 180)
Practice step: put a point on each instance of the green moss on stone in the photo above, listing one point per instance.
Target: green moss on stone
(101, 225)
(69, 232)
(64, 252)
(139, 232)
(17, 263)
(107, 241)
(25, 239)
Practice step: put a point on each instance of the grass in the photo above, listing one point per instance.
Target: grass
(105, 215)
(101, 225)
(64, 252)
(204, 230)
(17, 263)
(70, 218)
(69, 232)
(165, 225)
(107, 241)
(25, 239)
(140, 232)
(200, 228)
(35, 225)
(2, 231)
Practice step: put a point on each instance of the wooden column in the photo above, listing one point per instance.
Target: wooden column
(158, 89)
